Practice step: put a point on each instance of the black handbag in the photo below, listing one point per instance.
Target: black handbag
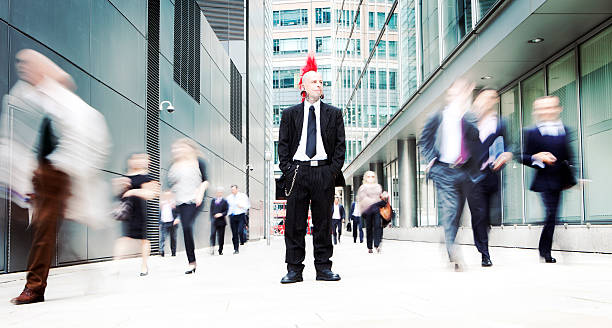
(123, 211)
(348, 227)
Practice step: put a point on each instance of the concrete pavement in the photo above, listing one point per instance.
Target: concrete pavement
(408, 284)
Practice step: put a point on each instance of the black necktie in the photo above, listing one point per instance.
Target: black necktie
(311, 136)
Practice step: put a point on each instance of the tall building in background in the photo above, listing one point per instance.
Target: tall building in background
(226, 17)
(342, 35)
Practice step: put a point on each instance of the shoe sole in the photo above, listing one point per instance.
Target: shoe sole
(292, 282)
(23, 303)
(327, 279)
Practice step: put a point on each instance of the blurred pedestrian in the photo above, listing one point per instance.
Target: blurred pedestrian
(136, 187)
(356, 218)
(450, 143)
(238, 206)
(370, 198)
(167, 223)
(218, 212)
(188, 181)
(495, 154)
(51, 161)
(337, 220)
(546, 148)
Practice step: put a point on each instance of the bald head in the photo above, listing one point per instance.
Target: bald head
(313, 85)
(33, 67)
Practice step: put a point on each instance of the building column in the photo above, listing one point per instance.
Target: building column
(407, 168)
(356, 184)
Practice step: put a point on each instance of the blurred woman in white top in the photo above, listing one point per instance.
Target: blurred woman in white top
(371, 198)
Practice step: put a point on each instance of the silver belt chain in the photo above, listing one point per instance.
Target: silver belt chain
(287, 193)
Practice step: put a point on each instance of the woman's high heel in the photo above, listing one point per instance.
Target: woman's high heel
(190, 271)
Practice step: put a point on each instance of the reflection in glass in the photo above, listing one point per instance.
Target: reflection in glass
(429, 21)
(512, 173)
(456, 23)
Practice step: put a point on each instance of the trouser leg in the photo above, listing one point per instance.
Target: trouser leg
(321, 185)
(235, 226)
(551, 203)
(188, 213)
(478, 201)
(377, 228)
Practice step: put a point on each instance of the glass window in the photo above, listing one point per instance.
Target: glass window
(276, 161)
(408, 44)
(392, 80)
(372, 79)
(284, 79)
(596, 104)
(323, 44)
(381, 20)
(290, 46)
(429, 21)
(382, 80)
(512, 174)
(322, 15)
(393, 22)
(382, 48)
(371, 23)
(392, 48)
(483, 6)
(426, 201)
(290, 17)
(562, 83)
(531, 89)
(371, 45)
(456, 23)
(327, 76)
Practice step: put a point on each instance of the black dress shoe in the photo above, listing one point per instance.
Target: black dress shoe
(327, 275)
(550, 259)
(486, 261)
(291, 277)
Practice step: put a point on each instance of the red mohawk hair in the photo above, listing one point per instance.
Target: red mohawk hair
(311, 66)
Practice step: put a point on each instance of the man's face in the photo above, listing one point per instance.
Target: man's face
(336, 201)
(29, 67)
(234, 190)
(485, 101)
(313, 84)
(219, 194)
(547, 109)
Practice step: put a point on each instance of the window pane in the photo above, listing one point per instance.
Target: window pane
(562, 83)
(408, 43)
(596, 103)
(429, 18)
(456, 23)
(484, 6)
(512, 174)
(381, 20)
(392, 48)
(371, 20)
(531, 89)
(382, 80)
(393, 22)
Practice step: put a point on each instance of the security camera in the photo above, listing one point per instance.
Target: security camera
(170, 109)
(250, 167)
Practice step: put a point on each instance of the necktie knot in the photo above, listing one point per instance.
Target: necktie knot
(311, 108)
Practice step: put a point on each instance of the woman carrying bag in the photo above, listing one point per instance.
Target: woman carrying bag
(371, 198)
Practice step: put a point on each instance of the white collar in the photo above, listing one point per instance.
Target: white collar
(550, 123)
(317, 105)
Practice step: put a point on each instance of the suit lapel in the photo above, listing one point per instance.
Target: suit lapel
(324, 117)
(299, 121)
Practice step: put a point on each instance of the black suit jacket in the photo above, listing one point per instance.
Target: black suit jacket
(353, 210)
(341, 209)
(332, 133)
(221, 208)
(431, 138)
(554, 177)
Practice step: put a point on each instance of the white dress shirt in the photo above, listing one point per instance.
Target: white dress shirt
(300, 154)
(450, 127)
(336, 215)
(551, 128)
(356, 211)
(166, 211)
(238, 204)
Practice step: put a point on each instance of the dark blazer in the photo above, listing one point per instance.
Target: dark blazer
(431, 138)
(221, 208)
(332, 133)
(554, 177)
(341, 209)
(353, 210)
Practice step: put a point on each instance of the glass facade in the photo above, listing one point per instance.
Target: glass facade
(323, 15)
(290, 46)
(297, 17)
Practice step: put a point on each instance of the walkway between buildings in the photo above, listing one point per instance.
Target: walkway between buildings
(407, 285)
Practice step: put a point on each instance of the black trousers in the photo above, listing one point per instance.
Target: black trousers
(480, 200)
(237, 225)
(357, 224)
(336, 230)
(188, 213)
(217, 233)
(314, 186)
(168, 228)
(551, 201)
(374, 229)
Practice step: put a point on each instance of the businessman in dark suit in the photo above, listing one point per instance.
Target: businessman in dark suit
(355, 216)
(218, 212)
(311, 150)
(450, 143)
(546, 148)
(490, 128)
(337, 220)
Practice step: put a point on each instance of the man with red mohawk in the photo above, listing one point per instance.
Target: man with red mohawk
(311, 150)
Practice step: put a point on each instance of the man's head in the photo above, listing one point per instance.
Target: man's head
(547, 108)
(485, 102)
(220, 192)
(138, 161)
(33, 67)
(460, 91)
(234, 189)
(312, 83)
(336, 200)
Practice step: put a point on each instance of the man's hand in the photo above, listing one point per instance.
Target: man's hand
(384, 195)
(121, 184)
(502, 160)
(545, 157)
(177, 221)
(218, 215)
